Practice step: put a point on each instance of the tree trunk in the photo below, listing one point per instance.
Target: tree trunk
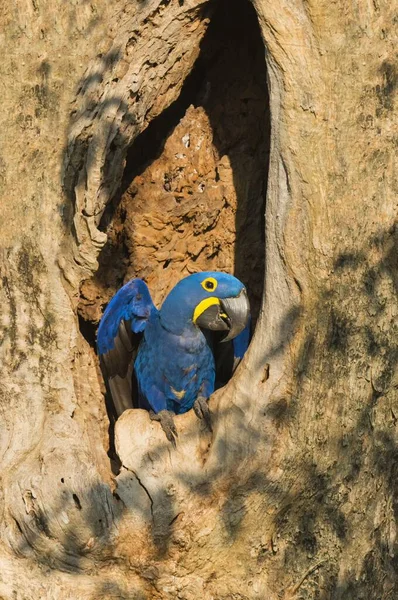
(135, 141)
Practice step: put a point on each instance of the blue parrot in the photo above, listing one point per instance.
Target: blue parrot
(170, 360)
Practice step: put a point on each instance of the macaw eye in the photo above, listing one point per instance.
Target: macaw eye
(209, 284)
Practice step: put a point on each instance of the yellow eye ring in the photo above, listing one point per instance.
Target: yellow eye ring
(209, 284)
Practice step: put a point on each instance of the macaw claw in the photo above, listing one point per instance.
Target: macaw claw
(166, 420)
(202, 411)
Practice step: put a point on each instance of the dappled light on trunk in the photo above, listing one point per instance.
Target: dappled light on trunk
(137, 142)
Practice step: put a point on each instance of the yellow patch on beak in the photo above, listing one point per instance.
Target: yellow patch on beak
(204, 305)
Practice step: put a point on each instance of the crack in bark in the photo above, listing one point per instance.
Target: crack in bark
(290, 593)
(18, 525)
(143, 487)
(174, 519)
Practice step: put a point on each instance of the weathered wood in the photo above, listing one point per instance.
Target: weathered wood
(294, 494)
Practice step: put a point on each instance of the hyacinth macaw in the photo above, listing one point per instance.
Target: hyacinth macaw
(170, 360)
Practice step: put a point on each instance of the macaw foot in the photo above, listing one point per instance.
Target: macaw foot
(202, 410)
(165, 418)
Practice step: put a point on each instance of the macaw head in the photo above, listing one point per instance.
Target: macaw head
(210, 300)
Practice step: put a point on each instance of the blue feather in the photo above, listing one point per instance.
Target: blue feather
(175, 361)
(241, 342)
(132, 303)
(172, 370)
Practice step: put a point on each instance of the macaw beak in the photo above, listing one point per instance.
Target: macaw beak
(238, 313)
(232, 315)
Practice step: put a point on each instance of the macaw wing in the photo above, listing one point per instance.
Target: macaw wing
(118, 338)
(227, 355)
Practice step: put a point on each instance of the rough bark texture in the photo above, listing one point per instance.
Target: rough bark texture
(294, 494)
(193, 190)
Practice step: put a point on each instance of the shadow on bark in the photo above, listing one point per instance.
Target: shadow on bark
(350, 335)
(318, 504)
(311, 501)
(229, 81)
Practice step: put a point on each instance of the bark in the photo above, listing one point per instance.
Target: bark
(294, 493)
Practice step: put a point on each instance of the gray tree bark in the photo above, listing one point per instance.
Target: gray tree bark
(294, 494)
